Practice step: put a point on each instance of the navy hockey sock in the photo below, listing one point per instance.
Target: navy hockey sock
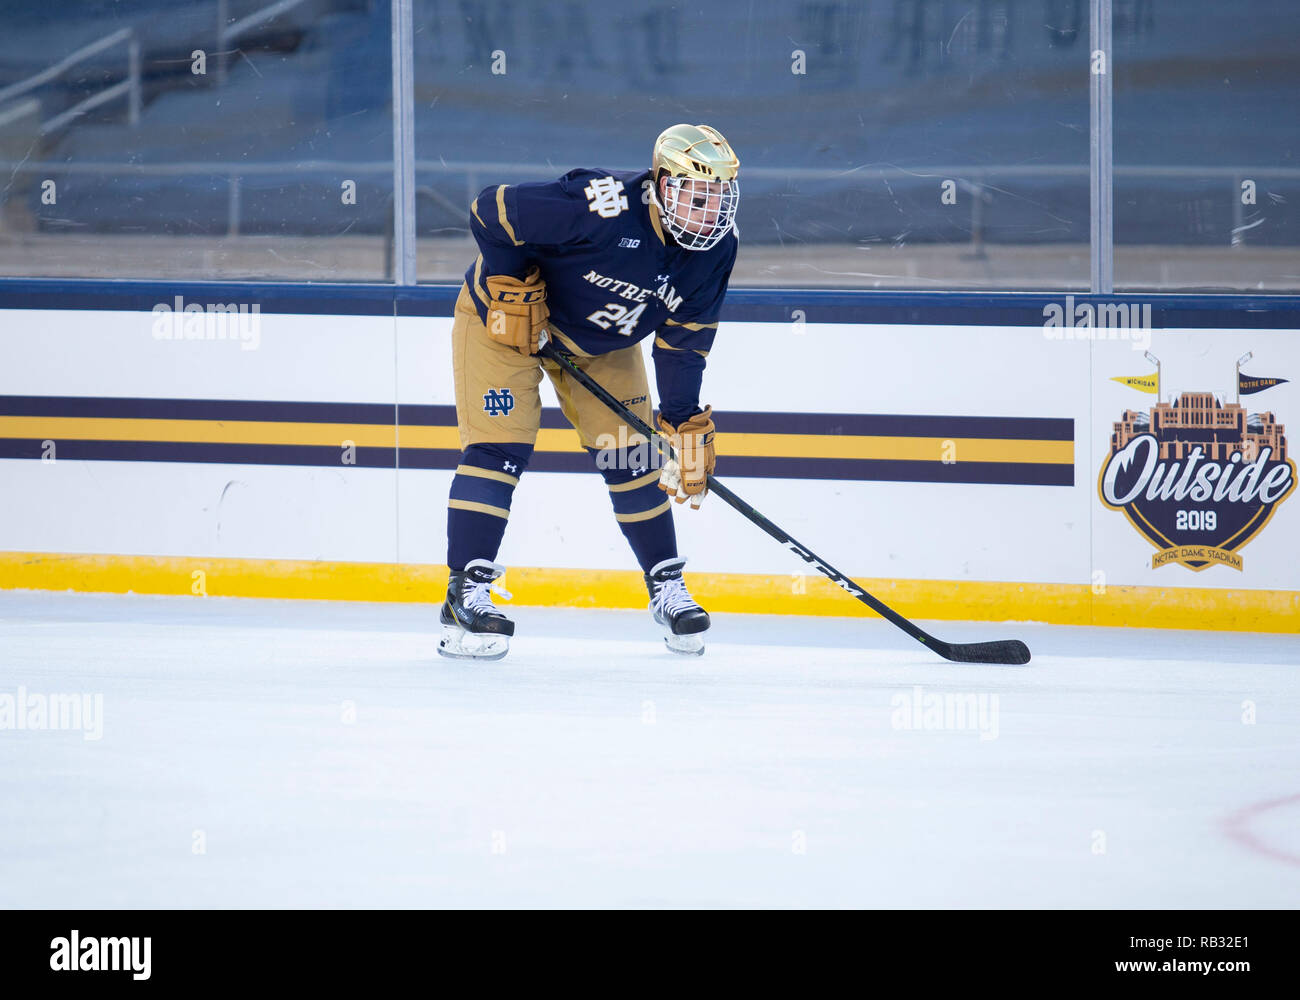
(643, 511)
(479, 506)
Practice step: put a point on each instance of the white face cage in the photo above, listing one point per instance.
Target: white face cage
(698, 213)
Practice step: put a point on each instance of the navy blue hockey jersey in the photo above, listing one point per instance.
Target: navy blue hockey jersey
(613, 276)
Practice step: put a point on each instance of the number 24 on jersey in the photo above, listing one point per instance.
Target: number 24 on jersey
(618, 315)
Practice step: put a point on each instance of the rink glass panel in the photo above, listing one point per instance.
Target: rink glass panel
(1207, 140)
(200, 139)
(883, 143)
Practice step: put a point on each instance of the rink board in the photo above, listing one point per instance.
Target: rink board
(953, 468)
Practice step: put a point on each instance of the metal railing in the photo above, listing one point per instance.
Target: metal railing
(128, 88)
(979, 183)
(232, 32)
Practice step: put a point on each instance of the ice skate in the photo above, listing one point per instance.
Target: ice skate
(472, 627)
(684, 621)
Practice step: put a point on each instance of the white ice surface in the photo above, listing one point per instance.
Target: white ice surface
(594, 768)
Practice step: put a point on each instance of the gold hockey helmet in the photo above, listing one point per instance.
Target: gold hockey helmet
(699, 206)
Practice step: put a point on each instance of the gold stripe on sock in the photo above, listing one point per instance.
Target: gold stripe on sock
(634, 484)
(481, 508)
(474, 470)
(645, 515)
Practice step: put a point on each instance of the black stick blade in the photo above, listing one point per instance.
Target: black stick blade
(1007, 651)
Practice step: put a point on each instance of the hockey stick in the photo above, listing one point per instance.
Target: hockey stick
(1005, 651)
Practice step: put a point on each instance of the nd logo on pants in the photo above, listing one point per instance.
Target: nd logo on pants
(498, 402)
(509, 386)
(499, 415)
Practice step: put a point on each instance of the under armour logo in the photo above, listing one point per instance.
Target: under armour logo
(606, 197)
(510, 467)
(661, 278)
(637, 472)
(498, 402)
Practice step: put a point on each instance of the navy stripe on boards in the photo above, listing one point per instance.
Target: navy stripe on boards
(320, 456)
(867, 470)
(839, 469)
(202, 409)
(1229, 311)
(426, 415)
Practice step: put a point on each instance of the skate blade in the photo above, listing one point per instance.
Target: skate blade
(686, 645)
(457, 644)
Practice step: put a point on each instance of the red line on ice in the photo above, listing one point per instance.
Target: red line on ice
(1237, 826)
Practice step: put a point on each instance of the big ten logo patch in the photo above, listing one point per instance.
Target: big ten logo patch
(1196, 477)
(606, 197)
(498, 402)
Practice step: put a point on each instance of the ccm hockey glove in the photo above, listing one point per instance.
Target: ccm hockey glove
(692, 440)
(517, 313)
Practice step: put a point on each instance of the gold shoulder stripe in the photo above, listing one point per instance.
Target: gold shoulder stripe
(473, 207)
(478, 289)
(691, 326)
(501, 214)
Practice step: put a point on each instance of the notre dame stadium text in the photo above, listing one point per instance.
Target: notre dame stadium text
(635, 293)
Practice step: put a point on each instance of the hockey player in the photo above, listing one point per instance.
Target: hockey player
(595, 262)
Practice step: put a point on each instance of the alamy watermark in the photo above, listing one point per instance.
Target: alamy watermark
(27, 710)
(626, 450)
(75, 953)
(1098, 321)
(209, 321)
(919, 710)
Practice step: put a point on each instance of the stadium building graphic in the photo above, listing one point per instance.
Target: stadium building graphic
(1196, 477)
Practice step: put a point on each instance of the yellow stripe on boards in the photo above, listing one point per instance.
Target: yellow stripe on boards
(200, 431)
(447, 438)
(548, 438)
(562, 439)
(736, 593)
(912, 449)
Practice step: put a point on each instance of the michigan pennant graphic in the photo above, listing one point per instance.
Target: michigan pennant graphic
(1142, 383)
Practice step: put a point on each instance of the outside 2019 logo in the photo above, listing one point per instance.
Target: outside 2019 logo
(1198, 478)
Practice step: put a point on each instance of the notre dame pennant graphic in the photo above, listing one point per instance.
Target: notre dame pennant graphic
(1198, 478)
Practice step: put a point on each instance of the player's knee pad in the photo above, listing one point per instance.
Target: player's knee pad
(632, 482)
(487, 476)
(507, 457)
